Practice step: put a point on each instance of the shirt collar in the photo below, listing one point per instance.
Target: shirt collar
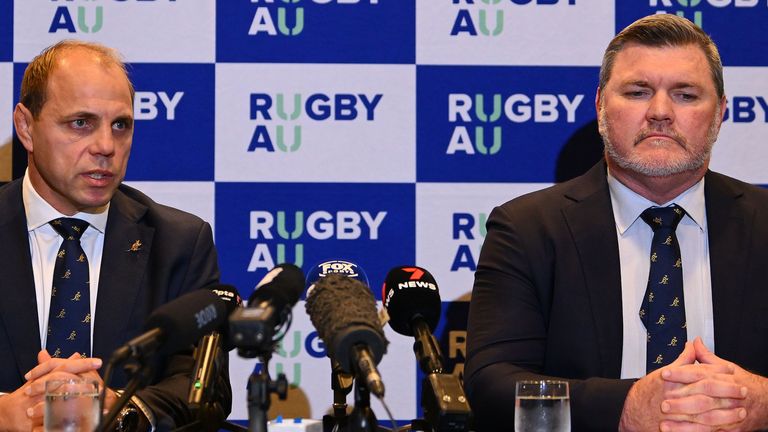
(39, 212)
(628, 204)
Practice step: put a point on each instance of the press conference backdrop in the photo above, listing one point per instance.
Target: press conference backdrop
(378, 131)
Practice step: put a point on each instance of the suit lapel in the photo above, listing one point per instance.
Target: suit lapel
(590, 220)
(18, 308)
(729, 218)
(127, 244)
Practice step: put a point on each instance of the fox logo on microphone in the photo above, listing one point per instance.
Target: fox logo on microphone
(344, 268)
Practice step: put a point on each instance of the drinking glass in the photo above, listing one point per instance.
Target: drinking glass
(71, 405)
(542, 406)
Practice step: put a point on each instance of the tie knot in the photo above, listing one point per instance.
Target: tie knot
(663, 217)
(69, 228)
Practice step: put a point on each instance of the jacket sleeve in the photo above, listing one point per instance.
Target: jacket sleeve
(509, 327)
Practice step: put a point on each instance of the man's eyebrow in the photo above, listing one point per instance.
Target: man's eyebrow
(638, 83)
(81, 114)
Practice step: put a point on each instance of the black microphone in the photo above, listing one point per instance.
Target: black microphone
(257, 328)
(207, 351)
(412, 300)
(343, 311)
(176, 325)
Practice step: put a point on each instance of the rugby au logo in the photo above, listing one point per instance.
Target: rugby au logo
(294, 108)
(275, 232)
(489, 112)
(691, 8)
(287, 18)
(488, 18)
(90, 19)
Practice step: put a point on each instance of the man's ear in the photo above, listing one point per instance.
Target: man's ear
(597, 101)
(723, 107)
(23, 122)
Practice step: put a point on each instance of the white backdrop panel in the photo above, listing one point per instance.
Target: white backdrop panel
(516, 34)
(143, 31)
(740, 149)
(197, 198)
(355, 121)
(6, 119)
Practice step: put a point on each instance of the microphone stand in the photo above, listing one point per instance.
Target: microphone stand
(341, 383)
(443, 400)
(362, 418)
(260, 387)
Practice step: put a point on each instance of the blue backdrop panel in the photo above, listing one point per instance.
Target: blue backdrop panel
(364, 31)
(737, 26)
(496, 124)
(6, 31)
(174, 138)
(262, 224)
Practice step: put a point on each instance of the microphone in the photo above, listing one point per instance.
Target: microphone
(343, 311)
(207, 351)
(412, 301)
(176, 325)
(256, 328)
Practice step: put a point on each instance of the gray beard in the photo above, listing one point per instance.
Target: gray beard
(630, 163)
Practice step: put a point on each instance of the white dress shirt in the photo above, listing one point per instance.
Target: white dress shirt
(634, 237)
(44, 243)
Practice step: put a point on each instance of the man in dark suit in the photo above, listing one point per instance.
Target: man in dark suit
(75, 119)
(562, 284)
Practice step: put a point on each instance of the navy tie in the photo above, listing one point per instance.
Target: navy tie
(69, 318)
(663, 310)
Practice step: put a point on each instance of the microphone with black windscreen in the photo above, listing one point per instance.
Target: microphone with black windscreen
(412, 301)
(207, 351)
(176, 325)
(170, 328)
(256, 329)
(343, 311)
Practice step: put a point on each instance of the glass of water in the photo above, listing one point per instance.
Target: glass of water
(542, 406)
(71, 405)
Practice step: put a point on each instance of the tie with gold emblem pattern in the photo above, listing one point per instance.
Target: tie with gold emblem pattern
(69, 318)
(663, 309)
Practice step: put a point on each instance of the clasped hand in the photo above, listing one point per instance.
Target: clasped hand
(23, 409)
(697, 392)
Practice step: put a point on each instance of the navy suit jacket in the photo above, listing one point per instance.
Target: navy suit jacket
(547, 295)
(176, 256)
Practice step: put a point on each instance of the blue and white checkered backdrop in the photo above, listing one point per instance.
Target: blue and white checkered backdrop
(378, 131)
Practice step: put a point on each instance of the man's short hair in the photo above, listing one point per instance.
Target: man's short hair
(664, 30)
(35, 81)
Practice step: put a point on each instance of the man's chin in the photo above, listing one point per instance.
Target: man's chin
(664, 169)
(95, 203)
